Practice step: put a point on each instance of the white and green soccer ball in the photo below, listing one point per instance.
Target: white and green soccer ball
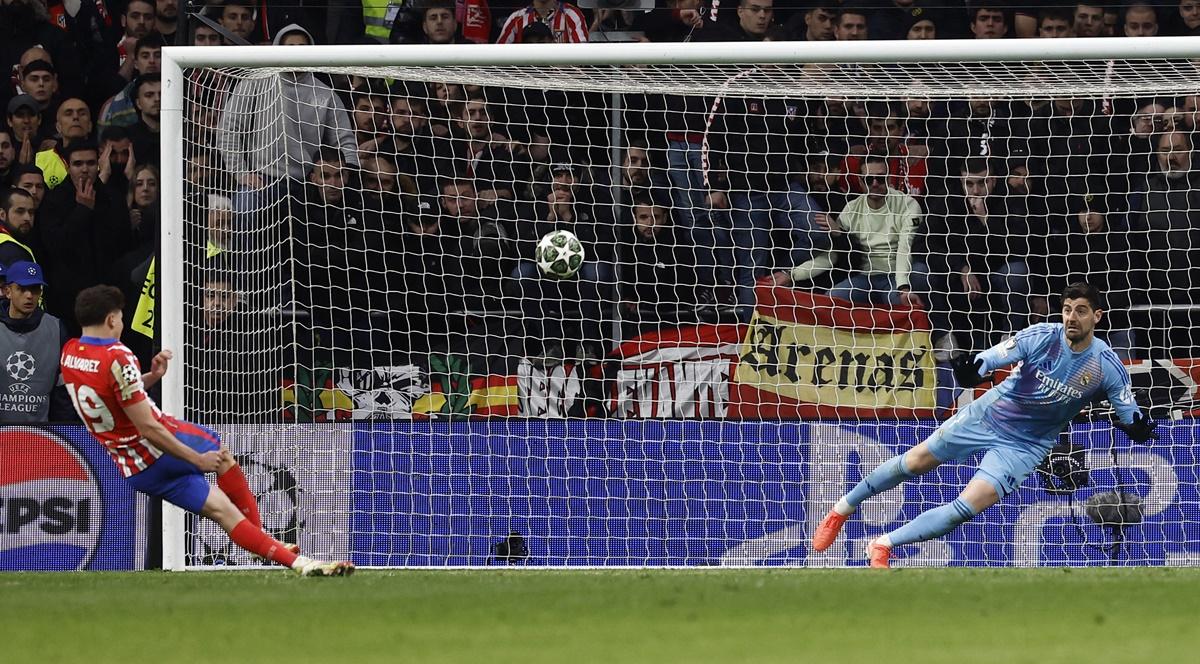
(559, 254)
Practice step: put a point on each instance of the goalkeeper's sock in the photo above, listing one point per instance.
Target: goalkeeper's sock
(233, 483)
(887, 475)
(252, 538)
(932, 523)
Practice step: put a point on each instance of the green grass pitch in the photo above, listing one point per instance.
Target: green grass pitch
(619, 616)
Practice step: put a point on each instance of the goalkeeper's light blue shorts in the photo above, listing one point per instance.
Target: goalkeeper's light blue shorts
(1006, 462)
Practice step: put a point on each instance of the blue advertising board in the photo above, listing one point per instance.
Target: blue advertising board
(693, 493)
(64, 505)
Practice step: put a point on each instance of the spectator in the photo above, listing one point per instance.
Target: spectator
(816, 22)
(826, 182)
(74, 125)
(566, 21)
(897, 19)
(882, 222)
(25, 24)
(249, 130)
(125, 266)
(887, 138)
(989, 23)
(238, 17)
(676, 22)
(1131, 158)
(18, 241)
(234, 372)
(138, 22)
(478, 151)
(8, 158)
(485, 238)
(851, 25)
(433, 276)
(117, 159)
(204, 35)
(121, 109)
(977, 127)
(166, 19)
(218, 226)
(1055, 23)
(755, 18)
(443, 98)
(370, 112)
(658, 279)
(81, 209)
(1141, 20)
(29, 178)
(752, 143)
(1168, 218)
(1071, 136)
(144, 134)
(1189, 17)
(1092, 250)
(409, 146)
(39, 80)
(973, 263)
(439, 25)
(25, 121)
(567, 314)
(922, 27)
(1089, 19)
(32, 388)
(321, 252)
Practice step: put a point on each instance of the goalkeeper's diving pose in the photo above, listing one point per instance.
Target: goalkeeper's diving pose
(1061, 367)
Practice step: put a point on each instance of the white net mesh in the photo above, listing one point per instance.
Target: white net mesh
(794, 250)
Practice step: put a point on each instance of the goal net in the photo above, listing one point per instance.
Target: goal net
(766, 271)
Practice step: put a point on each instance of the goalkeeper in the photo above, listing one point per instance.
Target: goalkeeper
(1062, 367)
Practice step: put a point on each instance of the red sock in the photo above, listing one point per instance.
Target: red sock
(233, 483)
(252, 538)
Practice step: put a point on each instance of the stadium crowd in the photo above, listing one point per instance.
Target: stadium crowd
(402, 214)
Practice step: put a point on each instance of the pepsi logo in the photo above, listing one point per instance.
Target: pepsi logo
(50, 504)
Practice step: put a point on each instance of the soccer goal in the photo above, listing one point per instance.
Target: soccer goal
(662, 304)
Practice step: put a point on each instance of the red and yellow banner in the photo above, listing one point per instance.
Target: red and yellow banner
(808, 355)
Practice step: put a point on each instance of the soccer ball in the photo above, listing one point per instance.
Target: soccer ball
(559, 254)
(20, 366)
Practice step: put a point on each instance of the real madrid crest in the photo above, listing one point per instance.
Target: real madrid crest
(1085, 378)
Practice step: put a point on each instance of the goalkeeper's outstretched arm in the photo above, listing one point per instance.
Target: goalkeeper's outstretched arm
(1119, 388)
(970, 370)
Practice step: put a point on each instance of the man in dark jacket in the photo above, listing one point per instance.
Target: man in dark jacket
(974, 258)
(82, 228)
(31, 387)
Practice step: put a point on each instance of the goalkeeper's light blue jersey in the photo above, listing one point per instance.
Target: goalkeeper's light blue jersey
(1051, 383)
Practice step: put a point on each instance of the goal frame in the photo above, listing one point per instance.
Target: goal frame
(176, 58)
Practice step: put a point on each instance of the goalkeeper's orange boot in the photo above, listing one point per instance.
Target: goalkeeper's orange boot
(828, 530)
(878, 554)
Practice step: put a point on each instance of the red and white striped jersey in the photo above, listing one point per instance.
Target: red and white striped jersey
(103, 377)
(565, 20)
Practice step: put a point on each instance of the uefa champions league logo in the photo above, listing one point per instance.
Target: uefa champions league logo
(20, 366)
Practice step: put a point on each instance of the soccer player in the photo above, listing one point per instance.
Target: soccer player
(157, 454)
(1062, 367)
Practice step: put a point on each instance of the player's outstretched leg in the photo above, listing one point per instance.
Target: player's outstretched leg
(890, 473)
(245, 534)
(233, 482)
(979, 495)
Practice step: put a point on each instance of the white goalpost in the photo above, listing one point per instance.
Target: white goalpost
(353, 278)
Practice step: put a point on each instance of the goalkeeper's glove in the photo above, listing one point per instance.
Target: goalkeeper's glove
(1140, 430)
(968, 370)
